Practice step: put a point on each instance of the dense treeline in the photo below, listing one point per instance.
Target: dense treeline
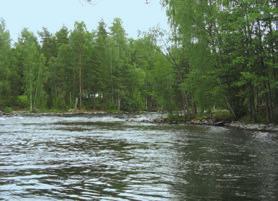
(228, 55)
(78, 69)
(222, 55)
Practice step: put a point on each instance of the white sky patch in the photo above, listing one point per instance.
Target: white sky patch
(52, 14)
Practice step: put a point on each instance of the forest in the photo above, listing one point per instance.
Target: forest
(220, 56)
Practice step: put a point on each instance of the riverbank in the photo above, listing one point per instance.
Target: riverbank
(157, 118)
(239, 125)
(141, 116)
(220, 123)
(55, 113)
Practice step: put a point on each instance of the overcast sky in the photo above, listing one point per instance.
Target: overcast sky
(52, 14)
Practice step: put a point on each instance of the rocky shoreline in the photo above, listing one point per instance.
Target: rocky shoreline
(230, 124)
(254, 127)
(158, 119)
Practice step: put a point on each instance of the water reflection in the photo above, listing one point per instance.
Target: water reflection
(226, 166)
(85, 158)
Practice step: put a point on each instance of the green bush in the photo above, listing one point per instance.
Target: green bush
(222, 115)
(22, 101)
(7, 109)
(131, 104)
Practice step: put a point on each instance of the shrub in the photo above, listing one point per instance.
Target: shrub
(222, 115)
(22, 101)
(7, 109)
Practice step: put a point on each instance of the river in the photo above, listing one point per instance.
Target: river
(112, 158)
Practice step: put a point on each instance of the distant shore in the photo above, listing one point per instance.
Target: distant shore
(263, 127)
(159, 119)
(53, 113)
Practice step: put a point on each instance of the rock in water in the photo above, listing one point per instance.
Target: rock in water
(219, 123)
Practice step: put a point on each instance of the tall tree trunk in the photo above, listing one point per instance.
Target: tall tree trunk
(252, 107)
(31, 91)
(80, 82)
(119, 103)
(273, 73)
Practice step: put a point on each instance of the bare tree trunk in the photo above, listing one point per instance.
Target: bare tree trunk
(119, 103)
(269, 101)
(80, 82)
(230, 107)
(146, 103)
(70, 99)
(252, 108)
(31, 92)
(76, 104)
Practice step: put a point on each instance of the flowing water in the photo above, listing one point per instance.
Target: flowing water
(111, 158)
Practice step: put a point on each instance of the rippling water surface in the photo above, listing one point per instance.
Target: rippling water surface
(111, 158)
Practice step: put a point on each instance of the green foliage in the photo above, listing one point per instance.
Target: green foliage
(5, 65)
(34, 69)
(222, 54)
(222, 115)
(22, 101)
(231, 48)
(78, 69)
(7, 110)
